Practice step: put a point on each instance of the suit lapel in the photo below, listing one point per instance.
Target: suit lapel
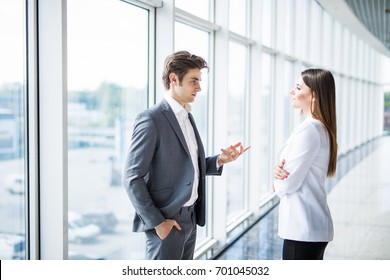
(198, 139)
(168, 113)
(201, 154)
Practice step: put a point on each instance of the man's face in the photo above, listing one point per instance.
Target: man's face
(186, 91)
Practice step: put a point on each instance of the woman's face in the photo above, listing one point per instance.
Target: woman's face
(302, 97)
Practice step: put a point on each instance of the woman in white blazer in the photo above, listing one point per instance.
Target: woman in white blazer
(307, 158)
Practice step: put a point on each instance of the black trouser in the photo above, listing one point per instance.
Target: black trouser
(300, 250)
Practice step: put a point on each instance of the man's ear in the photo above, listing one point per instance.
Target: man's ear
(173, 78)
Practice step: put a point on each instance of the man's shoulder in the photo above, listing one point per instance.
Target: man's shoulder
(153, 110)
(155, 113)
(159, 107)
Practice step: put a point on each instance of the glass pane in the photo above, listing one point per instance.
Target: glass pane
(236, 123)
(327, 43)
(288, 86)
(196, 42)
(346, 49)
(316, 33)
(301, 12)
(336, 45)
(199, 8)
(266, 23)
(108, 75)
(352, 53)
(237, 16)
(12, 129)
(265, 128)
(288, 11)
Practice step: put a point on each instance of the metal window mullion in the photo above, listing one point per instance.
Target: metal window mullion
(190, 19)
(152, 96)
(210, 129)
(204, 247)
(247, 95)
(146, 3)
(235, 37)
(273, 51)
(32, 150)
(238, 220)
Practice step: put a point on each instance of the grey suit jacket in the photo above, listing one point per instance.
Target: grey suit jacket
(159, 173)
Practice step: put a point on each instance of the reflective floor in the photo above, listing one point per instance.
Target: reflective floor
(360, 206)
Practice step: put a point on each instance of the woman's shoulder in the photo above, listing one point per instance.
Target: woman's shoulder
(314, 122)
(310, 125)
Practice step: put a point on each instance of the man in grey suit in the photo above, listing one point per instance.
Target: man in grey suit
(166, 164)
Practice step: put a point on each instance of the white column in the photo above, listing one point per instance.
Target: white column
(53, 169)
(165, 28)
(220, 114)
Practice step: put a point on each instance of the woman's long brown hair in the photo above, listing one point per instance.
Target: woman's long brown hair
(322, 85)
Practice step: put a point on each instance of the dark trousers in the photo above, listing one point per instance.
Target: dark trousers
(179, 244)
(299, 250)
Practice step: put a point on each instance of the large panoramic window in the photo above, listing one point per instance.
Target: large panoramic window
(108, 87)
(13, 187)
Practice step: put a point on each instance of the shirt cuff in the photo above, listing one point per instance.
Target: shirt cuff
(216, 162)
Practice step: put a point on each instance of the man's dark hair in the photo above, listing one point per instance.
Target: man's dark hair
(180, 63)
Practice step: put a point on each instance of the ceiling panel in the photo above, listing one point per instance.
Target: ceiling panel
(375, 15)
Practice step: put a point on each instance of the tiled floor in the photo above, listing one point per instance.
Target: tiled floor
(360, 206)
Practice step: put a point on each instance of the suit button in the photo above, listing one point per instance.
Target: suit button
(188, 183)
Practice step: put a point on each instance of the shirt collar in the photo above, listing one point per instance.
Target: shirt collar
(175, 106)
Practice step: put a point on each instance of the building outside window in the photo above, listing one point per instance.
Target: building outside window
(108, 87)
(13, 98)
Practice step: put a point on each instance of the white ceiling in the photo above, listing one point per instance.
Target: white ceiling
(368, 19)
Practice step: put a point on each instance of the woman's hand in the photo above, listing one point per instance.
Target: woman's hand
(279, 172)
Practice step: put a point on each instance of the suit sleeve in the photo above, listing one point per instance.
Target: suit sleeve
(305, 147)
(211, 166)
(139, 158)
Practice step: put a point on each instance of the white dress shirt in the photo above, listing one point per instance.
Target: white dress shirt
(181, 114)
(303, 211)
